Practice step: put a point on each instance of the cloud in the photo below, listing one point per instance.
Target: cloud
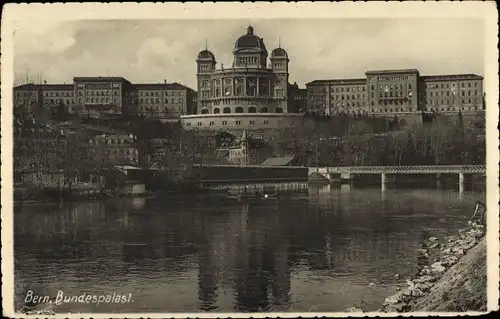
(153, 50)
(42, 36)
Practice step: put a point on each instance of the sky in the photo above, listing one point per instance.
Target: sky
(149, 51)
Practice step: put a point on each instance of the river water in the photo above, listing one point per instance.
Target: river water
(321, 249)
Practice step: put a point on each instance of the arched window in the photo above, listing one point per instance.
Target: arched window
(239, 109)
(226, 110)
(216, 111)
(252, 109)
(204, 111)
(264, 110)
(279, 110)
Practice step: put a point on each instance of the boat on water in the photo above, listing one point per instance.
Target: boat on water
(258, 194)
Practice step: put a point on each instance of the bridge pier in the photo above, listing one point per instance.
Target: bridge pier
(461, 182)
(345, 177)
(386, 179)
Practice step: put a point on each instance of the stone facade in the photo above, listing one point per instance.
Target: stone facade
(250, 85)
(390, 92)
(252, 122)
(98, 96)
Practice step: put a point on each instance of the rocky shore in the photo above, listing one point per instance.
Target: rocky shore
(456, 262)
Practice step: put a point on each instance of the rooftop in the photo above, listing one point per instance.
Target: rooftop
(46, 87)
(337, 81)
(278, 161)
(374, 72)
(451, 77)
(100, 79)
(161, 86)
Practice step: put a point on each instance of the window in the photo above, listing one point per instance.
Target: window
(224, 122)
(226, 110)
(238, 122)
(251, 122)
(239, 109)
(266, 122)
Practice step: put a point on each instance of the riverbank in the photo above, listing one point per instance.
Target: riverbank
(455, 281)
(32, 194)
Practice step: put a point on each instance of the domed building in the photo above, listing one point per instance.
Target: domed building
(250, 94)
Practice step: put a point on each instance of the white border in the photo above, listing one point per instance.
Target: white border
(261, 10)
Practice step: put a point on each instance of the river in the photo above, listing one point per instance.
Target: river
(322, 249)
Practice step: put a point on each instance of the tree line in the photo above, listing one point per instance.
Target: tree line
(444, 140)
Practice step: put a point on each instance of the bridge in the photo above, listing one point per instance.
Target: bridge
(347, 172)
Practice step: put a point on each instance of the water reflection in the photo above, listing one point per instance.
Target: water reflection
(319, 248)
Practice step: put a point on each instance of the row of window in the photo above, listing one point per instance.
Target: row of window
(349, 97)
(103, 93)
(279, 65)
(68, 93)
(349, 89)
(237, 122)
(463, 93)
(239, 109)
(58, 101)
(390, 86)
(376, 110)
(452, 101)
(98, 141)
(122, 152)
(158, 93)
(97, 93)
(43, 143)
(239, 91)
(397, 86)
(469, 108)
(242, 60)
(159, 110)
(158, 101)
(447, 85)
(98, 100)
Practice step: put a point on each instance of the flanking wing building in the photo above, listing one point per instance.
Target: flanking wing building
(392, 92)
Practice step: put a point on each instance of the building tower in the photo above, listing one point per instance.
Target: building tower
(250, 51)
(279, 66)
(205, 66)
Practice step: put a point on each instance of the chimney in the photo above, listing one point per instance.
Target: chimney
(165, 81)
(45, 82)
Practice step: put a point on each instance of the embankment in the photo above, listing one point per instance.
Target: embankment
(455, 281)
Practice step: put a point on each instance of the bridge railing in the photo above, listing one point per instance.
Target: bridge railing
(410, 169)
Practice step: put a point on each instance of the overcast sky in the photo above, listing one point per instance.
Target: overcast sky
(153, 50)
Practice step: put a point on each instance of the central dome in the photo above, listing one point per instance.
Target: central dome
(250, 41)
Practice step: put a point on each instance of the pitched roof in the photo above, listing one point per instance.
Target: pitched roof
(278, 161)
(27, 87)
(392, 71)
(449, 77)
(161, 86)
(99, 79)
(57, 87)
(337, 81)
(45, 87)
